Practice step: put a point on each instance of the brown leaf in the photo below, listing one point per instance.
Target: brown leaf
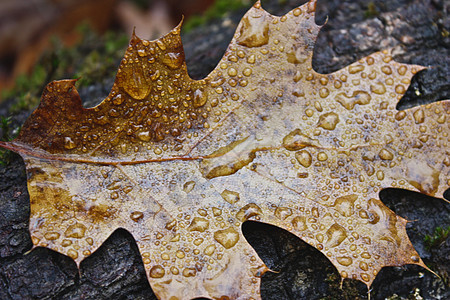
(182, 163)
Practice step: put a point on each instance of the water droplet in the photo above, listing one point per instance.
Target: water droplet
(358, 97)
(254, 31)
(76, 230)
(216, 211)
(297, 12)
(319, 238)
(324, 92)
(198, 242)
(51, 236)
(380, 175)
(328, 121)
(227, 237)
(180, 254)
(69, 144)
(386, 70)
(283, 213)
(230, 196)
(336, 234)
(400, 115)
(188, 186)
(200, 98)
(248, 211)
(174, 270)
(170, 225)
(296, 140)
(353, 69)
(144, 136)
(209, 250)
(385, 154)
(118, 99)
(199, 224)
(189, 272)
(136, 216)
(363, 265)
(161, 45)
(402, 70)
(64, 243)
(173, 60)
(232, 72)
(72, 253)
(322, 156)
(379, 88)
(304, 158)
(299, 223)
(365, 277)
(419, 116)
(400, 89)
(247, 72)
(157, 272)
(318, 106)
(345, 204)
(345, 260)
(251, 59)
(298, 76)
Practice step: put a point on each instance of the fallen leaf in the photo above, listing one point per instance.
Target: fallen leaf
(181, 164)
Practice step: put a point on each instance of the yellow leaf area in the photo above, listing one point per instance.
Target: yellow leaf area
(181, 164)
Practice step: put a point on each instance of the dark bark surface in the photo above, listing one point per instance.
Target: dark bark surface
(419, 33)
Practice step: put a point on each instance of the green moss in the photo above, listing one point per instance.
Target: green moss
(437, 238)
(372, 10)
(216, 10)
(5, 136)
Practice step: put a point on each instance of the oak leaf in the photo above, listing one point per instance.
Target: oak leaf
(182, 163)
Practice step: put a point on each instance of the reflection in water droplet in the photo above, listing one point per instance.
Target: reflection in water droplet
(419, 116)
(304, 158)
(230, 196)
(69, 144)
(227, 237)
(336, 234)
(296, 140)
(299, 223)
(358, 97)
(173, 60)
(188, 186)
(189, 272)
(209, 250)
(72, 253)
(200, 98)
(345, 204)
(51, 236)
(254, 31)
(283, 212)
(249, 211)
(136, 216)
(157, 272)
(379, 88)
(345, 260)
(76, 230)
(328, 121)
(64, 243)
(199, 224)
(386, 154)
(365, 277)
(363, 266)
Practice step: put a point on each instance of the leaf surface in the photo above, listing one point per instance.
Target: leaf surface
(181, 163)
